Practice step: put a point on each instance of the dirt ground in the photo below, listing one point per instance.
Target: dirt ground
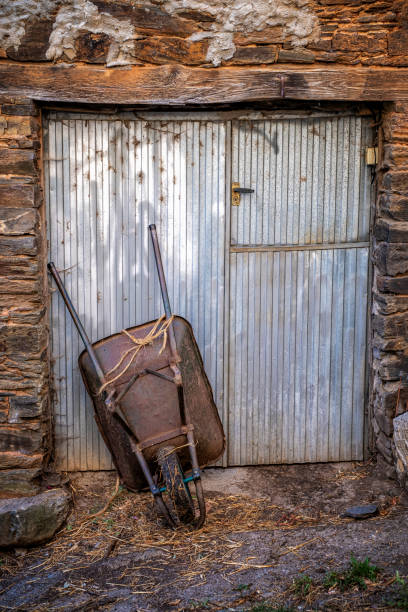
(274, 539)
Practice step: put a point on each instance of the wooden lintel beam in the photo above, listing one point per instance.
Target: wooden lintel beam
(178, 85)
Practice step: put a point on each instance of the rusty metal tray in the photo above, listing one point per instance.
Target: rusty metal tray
(151, 406)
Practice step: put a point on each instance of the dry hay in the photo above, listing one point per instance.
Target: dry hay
(97, 532)
(130, 524)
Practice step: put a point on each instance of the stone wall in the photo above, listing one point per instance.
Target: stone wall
(24, 414)
(206, 33)
(390, 295)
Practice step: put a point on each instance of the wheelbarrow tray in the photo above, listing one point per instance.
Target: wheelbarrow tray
(151, 406)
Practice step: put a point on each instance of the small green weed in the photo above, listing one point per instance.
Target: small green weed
(242, 587)
(266, 607)
(302, 585)
(356, 575)
(401, 597)
(200, 604)
(109, 522)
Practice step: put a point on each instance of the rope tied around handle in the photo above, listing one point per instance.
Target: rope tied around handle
(160, 328)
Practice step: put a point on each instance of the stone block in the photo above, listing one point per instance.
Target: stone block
(395, 155)
(19, 194)
(20, 481)
(358, 41)
(383, 420)
(23, 374)
(389, 284)
(194, 14)
(18, 162)
(150, 20)
(323, 44)
(390, 345)
(24, 407)
(396, 181)
(32, 520)
(11, 459)
(24, 268)
(401, 447)
(390, 304)
(268, 35)
(164, 50)
(395, 126)
(391, 326)
(28, 312)
(387, 230)
(92, 47)
(4, 408)
(9, 286)
(398, 42)
(392, 367)
(21, 439)
(35, 41)
(385, 396)
(384, 445)
(255, 55)
(395, 206)
(22, 340)
(296, 56)
(391, 258)
(18, 245)
(15, 221)
(12, 127)
(21, 109)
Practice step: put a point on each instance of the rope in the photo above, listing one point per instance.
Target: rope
(160, 328)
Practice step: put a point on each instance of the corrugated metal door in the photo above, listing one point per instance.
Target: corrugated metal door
(299, 262)
(107, 178)
(276, 291)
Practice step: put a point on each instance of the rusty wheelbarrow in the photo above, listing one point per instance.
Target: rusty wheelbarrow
(154, 406)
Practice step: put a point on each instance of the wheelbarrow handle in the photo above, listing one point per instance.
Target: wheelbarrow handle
(160, 271)
(81, 330)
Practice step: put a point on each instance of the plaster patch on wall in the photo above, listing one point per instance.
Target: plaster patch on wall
(300, 24)
(81, 15)
(14, 14)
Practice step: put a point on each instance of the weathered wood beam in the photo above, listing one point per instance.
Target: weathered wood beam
(178, 85)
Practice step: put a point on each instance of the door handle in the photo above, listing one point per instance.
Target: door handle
(236, 191)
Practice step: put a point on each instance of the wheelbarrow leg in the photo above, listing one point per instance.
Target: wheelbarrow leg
(196, 473)
(152, 485)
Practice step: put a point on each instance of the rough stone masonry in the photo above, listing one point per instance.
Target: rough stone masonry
(222, 33)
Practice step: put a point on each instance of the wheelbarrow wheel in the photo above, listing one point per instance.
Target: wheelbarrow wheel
(179, 502)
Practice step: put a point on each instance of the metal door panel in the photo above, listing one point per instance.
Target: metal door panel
(299, 272)
(297, 360)
(107, 178)
(309, 178)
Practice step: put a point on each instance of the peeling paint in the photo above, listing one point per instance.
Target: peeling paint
(299, 23)
(81, 15)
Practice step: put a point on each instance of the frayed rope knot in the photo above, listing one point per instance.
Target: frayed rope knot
(159, 329)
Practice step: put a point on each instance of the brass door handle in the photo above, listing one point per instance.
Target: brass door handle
(236, 191)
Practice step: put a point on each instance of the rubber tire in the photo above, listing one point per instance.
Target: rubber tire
(177, 497)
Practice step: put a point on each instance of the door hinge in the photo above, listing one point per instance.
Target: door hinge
(371, 156)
